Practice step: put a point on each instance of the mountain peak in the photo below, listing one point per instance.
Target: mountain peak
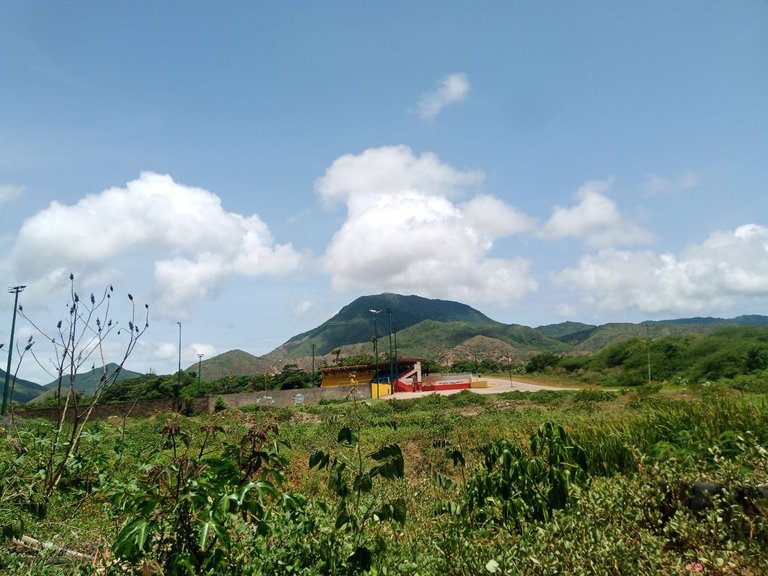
(356, 322)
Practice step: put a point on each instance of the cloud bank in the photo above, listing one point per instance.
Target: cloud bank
(726, 267)
(450, 90)
(595, 220)
(413, 225)
(183, 232)
(404, 233)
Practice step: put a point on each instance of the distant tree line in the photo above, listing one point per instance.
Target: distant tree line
(732, 353)
(153, 386)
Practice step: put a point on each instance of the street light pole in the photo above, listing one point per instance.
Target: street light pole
(6, 390)
(392, 363)
(375, 340)
(199, 368)
(177, 392)
(648, 341)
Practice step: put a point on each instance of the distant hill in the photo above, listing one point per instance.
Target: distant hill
(559, 331)
(597, 338)
(86, 382)
(459, 340)
(354, 323)
(437, 330)
(23, 391)
(444, 331)
(748, 320)
(233, 363)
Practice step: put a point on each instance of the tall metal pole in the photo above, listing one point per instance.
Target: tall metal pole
(7, 389)
(177, 392)
(375, 340)
(395, 341)
(313, 360)
(392, 365)
(199, 367)
(648, 349)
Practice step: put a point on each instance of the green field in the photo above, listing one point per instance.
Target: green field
(517, 483)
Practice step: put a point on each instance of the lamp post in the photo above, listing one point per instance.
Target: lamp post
(6, 390)
(648, 341)
(313, 362)
(375, 340)
(199, 368)
(177, 391)
(392, 364)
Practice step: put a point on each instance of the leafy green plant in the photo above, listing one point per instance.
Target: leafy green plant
(352, 476)
(185, 514)
(512, 487)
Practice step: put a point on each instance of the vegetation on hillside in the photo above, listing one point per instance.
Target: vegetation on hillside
(739, 354)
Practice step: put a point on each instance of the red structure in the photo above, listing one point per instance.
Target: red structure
(412, 380)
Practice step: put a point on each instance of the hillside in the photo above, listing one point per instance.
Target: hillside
(23, 390)
(354, 323)
(599, 337)
(233, 363)
(446, 331)
(564, 329)
(86, 382)
(448, 341)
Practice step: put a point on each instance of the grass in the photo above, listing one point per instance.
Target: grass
(634, 438)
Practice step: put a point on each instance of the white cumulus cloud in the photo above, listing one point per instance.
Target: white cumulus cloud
(9, 192)
(206, 350)
(403, 232)
(495, 218)
(392, 169)
(596, 220)
(184, 232)
(450, 90)
(165, 351)
(727, 267)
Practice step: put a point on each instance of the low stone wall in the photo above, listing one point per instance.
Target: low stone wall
(278, 398)
(286, 398)
(101, 411)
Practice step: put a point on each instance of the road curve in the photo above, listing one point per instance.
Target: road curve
(495, 386)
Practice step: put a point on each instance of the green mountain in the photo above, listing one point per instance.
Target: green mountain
(599, 337)
(444, 331)
(23, 390)
(564, 329)
(460, 340)
(441, 330)
(87, 382)
(233, 363)
(354, 323)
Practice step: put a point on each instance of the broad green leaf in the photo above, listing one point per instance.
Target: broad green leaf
(388, 451)
(347, 437)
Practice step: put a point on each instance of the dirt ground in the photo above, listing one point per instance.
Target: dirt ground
(495, 386)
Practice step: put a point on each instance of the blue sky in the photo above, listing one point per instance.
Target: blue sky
(247, 168)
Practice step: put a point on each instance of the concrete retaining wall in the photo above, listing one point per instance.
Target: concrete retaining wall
(286, 398)
(277, 398)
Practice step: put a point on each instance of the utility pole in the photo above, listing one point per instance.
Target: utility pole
(648, 341)
(7, 390)
(313, 361)
(177, 392)
(375, 340)
(392, 361)
(199, 368)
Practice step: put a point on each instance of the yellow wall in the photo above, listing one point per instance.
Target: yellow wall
(379, 390)
(346, 378)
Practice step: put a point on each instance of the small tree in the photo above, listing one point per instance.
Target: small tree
(79, 341)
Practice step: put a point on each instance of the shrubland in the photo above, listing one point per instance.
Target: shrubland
(577, 482)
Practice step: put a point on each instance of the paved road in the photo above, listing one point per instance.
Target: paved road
(495, 386)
